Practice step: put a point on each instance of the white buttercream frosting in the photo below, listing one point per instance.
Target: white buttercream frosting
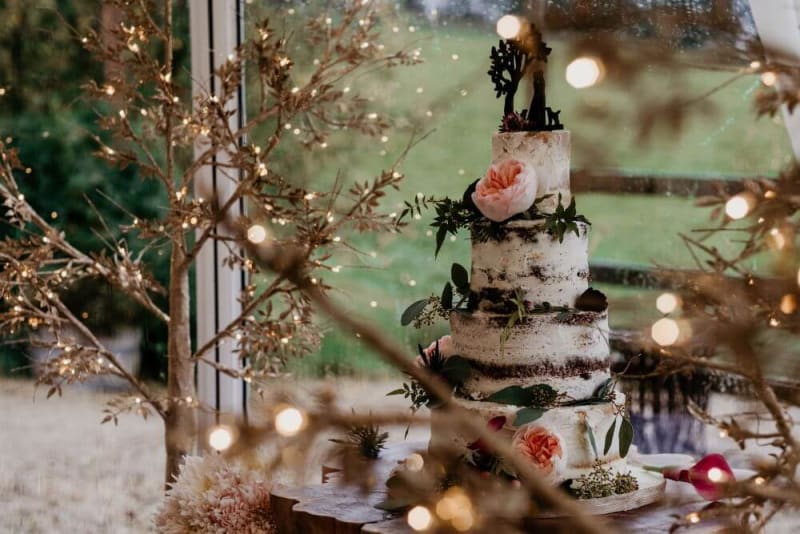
(529, 259)
(545, 152)
(570, 349)
(552, 337)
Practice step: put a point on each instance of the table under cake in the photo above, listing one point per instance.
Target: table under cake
(333, 507)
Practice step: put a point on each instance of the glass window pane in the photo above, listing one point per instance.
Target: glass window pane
(712, 134)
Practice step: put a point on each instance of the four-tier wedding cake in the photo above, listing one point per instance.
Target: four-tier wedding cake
(556, 348)
(528, 352)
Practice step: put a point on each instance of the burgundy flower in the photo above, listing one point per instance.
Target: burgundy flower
(495, 424)
(707, 476)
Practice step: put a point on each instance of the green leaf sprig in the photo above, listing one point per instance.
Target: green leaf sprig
(458, 288)
(535, 400)
(454, 370)
(563, 220)
(451, 215)
(600, 482)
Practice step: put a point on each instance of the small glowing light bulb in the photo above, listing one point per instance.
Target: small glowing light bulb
(777, 238)
(769, 78)
(220, 438)
(464, 521)
(739, 206)
(788, 303)
(415, 462)
(419, 518)
(289, 421)
(256, 234)
(715, 474)
(584, 72)
(667, 302)
(509, 26)
(665, 331)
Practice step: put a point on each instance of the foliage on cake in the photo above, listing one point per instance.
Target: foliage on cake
(564, 220)
(625, 434)
(455, 215)
(534, 400)
(603, 482)
(450, 368)
(507, 189)
(455, 295)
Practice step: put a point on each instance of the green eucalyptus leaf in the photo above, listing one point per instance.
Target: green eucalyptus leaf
(625, 436)
(514, 395)
(604, 389)
(527, 415)
(460, 277)
(398, 391)
(571, 209)
(441, 234)
(456, 370)
(447, 296)
(609, 437)
(592, 441)
(412, 312)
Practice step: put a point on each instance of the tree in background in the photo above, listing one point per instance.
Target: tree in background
(149, 125)
(43, 112)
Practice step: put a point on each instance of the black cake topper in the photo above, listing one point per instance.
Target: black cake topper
(511, 60)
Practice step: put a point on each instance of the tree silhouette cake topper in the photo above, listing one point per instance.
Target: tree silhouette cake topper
(511, 60)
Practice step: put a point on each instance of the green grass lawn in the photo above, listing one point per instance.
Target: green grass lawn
(457, 104)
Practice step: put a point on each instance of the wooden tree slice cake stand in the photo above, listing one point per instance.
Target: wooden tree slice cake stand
(337, 508)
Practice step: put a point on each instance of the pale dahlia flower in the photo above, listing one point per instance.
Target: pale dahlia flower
(507, 189)
(540, 446)
(213, 496)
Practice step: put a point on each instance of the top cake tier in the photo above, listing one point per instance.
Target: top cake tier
(545, 152)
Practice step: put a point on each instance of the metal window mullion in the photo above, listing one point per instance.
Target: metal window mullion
(215, 32)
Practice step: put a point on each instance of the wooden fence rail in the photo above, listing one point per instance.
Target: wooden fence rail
(586, 181)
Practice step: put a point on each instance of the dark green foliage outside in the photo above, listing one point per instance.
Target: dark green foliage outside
(43, 65)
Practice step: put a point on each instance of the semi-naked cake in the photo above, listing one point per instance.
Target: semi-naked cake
(528, 353)
(554, 343)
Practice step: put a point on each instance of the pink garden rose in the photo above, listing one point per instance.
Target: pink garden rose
(445, 349)
(507, 189)
(538, 445)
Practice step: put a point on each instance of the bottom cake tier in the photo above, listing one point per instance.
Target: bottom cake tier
(558, 443)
